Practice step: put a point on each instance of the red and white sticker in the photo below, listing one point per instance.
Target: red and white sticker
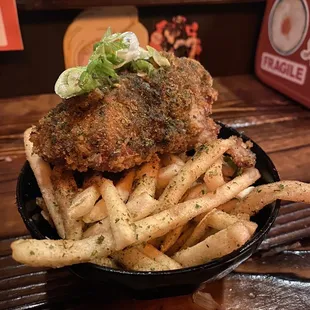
(10, 36)
(305, 54)
(284, 68)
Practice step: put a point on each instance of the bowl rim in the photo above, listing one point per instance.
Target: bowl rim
(227, 259)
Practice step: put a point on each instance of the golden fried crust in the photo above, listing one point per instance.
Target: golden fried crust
(116, 130)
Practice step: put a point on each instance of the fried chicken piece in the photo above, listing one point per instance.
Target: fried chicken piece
(166, 112)
(241, 153)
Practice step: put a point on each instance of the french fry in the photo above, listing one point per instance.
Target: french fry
(124, 185)
(245, 192)
(83, 202)
(197, 234)
(192, 170)
(183, 156)
(179, 244)
(42, 172)
(199, 217)
(161, 223)
(133, 259)
(97, 213)
(65, 189)
(220, 220)
(209, 232)
(142, 206)
(165, 174)
(228, 206)
(158, 256)
(195, 192)
(243, 216)
(102, 227)
(59, 253)
(41, 203)
(170, 239)
(265, 194)
(139, 208)
(157, 242)
(214, 175)
(119, 217)
(105, 262)
(169, 159)
(225, 207)
(217, 245)
(146, 178)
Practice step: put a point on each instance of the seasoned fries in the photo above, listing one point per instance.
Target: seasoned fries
(83, 202)
(161, 223)
(217, 245)
(265, 194)
(169, 159)
(42, 171)
(65, 189)
(146, 178)
(105, 262)
(124, 185)
(119, 217)
(180, 243)
(97, 213)
(218, 220)
(167, 214)
(228, 206)
(59, 253)
(166, 173)
(141, 206)
(214, 176)
(158, 256)
(101, 227)
(196, 191)
(134, 259)
(171, 237)
(144, 201)
(192, 170)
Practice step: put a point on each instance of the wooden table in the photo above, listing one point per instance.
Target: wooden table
(280, 126)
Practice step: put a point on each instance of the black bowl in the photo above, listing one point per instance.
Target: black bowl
(165, 283)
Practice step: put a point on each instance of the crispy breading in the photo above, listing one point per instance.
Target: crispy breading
(114, 130)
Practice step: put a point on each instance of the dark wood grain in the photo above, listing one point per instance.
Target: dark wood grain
(278, 124)
(31, 287)
(78, 4)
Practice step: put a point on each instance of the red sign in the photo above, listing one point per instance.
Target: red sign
(10, 36)
(286, 69)
(283, 53)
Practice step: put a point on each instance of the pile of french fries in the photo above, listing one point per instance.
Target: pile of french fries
(170, 213)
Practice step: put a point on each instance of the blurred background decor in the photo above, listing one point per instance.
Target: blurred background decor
(177, 36)
(228, 30)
